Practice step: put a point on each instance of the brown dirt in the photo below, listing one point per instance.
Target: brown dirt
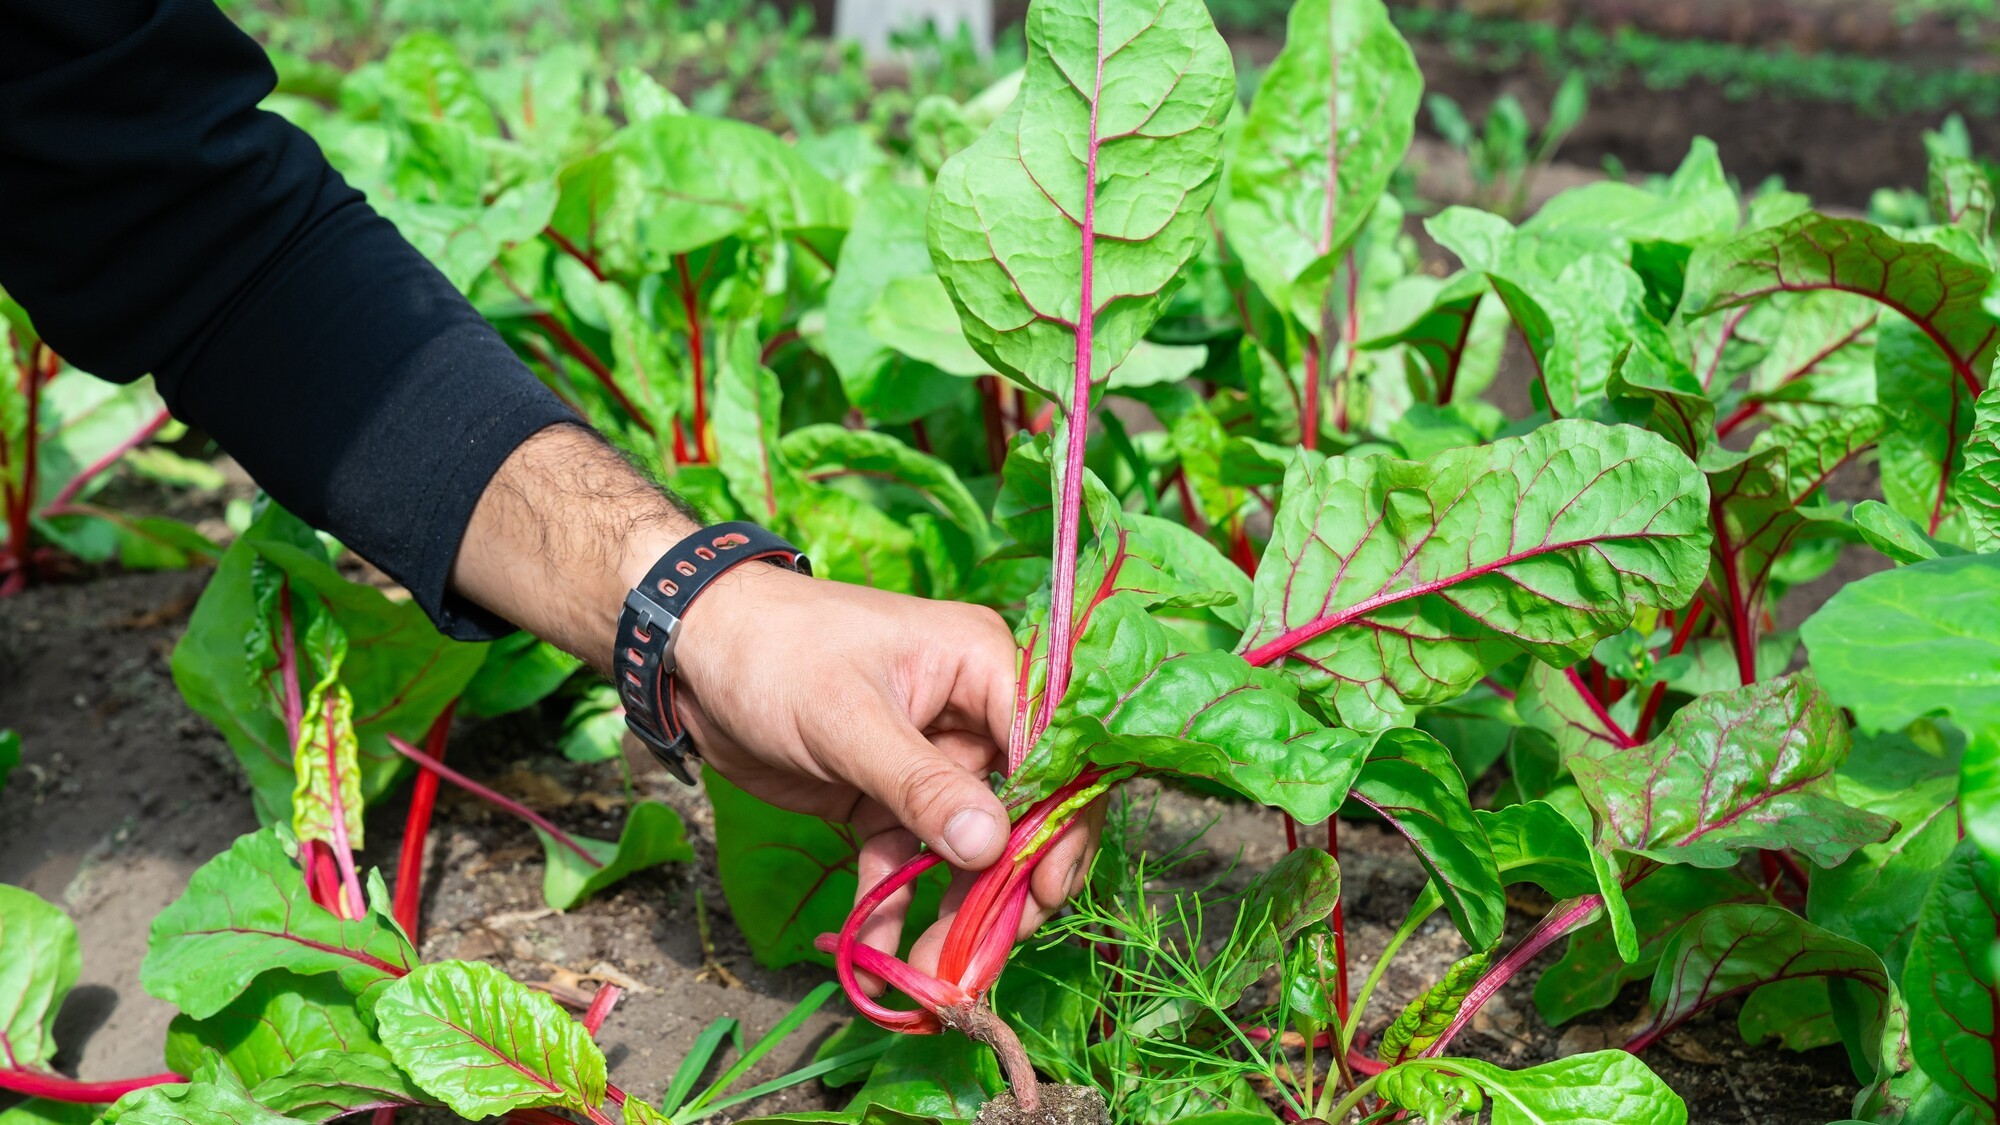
(1061, 1105)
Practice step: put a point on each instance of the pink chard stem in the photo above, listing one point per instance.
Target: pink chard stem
(506, 804)
(71, 1091)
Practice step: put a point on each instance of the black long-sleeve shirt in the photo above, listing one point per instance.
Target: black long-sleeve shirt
(153, 219)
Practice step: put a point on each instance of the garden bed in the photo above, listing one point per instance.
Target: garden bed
(125, 792)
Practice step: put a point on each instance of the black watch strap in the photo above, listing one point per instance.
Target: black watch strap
(643, 664)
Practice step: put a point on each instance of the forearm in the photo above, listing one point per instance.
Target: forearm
(559, 535)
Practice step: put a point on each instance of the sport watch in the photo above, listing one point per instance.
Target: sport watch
(651, 623)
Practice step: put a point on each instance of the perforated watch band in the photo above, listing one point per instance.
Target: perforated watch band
(651, 623)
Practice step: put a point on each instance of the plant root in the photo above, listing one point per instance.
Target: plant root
(979, 1022)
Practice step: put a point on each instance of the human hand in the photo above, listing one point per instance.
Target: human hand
(883, 711)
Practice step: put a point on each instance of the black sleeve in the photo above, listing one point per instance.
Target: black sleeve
(152, 218)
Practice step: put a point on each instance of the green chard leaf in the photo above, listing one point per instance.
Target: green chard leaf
(41, 966)
(1094, 184)
(940, 1077)
(887, 246)
(215, 1094)
(334, 1083)
(1876, 895)
(1730, 950)
(1745, 769)
(1300, 889)
(1961, 195)
(1938, 291)
(1592, 970)
(652, 835)
(1903, 644)
(1932, 413)
(45, 1111)
(1763, 503)
(789, 877)
(1411, 781)
(1953, 984)
(1601, 1088)
(279, 1019)
(1390, 584)
(1141, 697)
(247, 912)
(1330, 123)
(482, 1044)
(703, 179)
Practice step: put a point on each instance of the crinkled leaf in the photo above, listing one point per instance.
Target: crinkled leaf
(1391, 584)
(1411, 781)
(1936, 289)
(483, 1044)
(1732, 771)
(1729, 950)
(279, 1019)
(1591, 970)
(1978, 483)
(652, 835)
(246, 912)
(1426, 1018)
(1434, 1095)
(702, 179)
(1140, 696)
(1952, 983)
(1330, 123)
(1600, 1088)
(40, 967)
(1114, 144)
(328, 791)
(333, 1083)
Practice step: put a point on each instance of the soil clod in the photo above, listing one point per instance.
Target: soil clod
(1061, 1105)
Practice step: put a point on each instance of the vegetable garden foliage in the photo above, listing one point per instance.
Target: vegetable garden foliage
(1158, 375)
(61, 435)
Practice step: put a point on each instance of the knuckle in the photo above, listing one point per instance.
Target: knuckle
(925, 789)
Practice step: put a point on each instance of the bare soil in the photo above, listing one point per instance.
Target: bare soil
(124, 792)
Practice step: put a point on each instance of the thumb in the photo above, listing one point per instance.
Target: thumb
(933, 794)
